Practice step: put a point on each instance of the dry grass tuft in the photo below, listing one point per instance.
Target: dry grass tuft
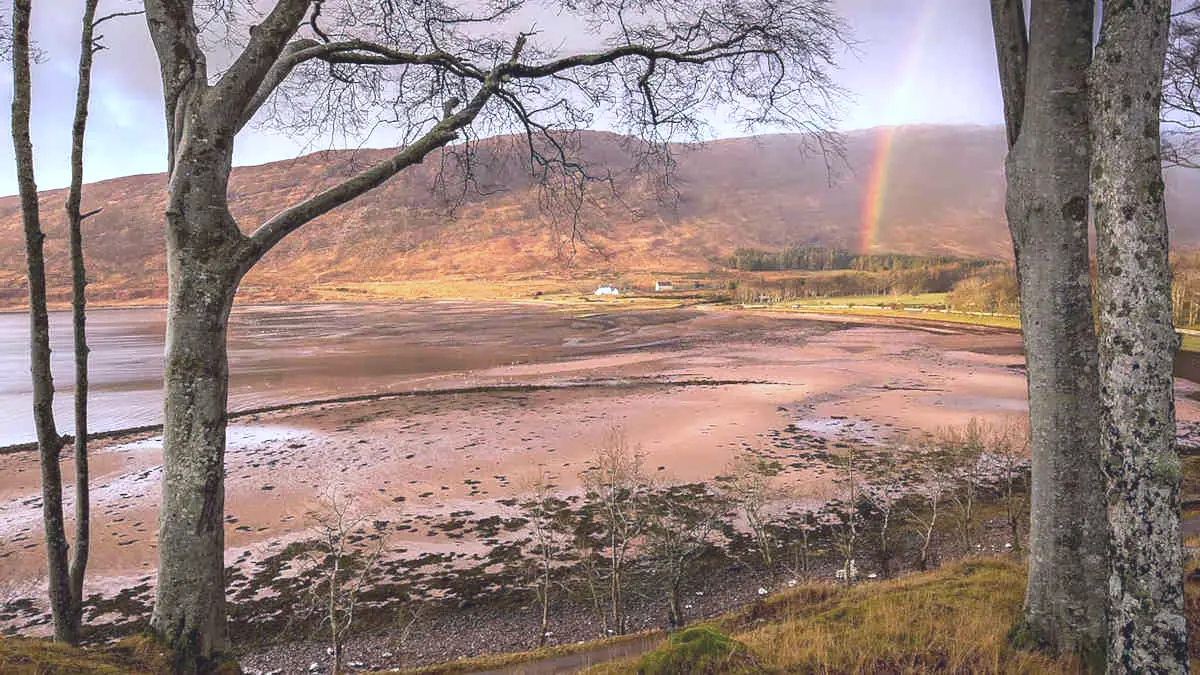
(954, 620)
(132, 656)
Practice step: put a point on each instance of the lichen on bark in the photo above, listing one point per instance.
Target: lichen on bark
(1147, 632)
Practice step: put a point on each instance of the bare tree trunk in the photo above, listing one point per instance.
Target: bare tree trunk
(335, 635)
(675, 620)
(849, 568)
(202, 239)
(189, 607)
(1147, 630)
(885, 551)
(927, 538)
(49, 442)
(599, 607)
(618, 614)
(545, 593)
(1045, 92)
(547, 561)
(804, 546)
(1014, 512)
(75, 218)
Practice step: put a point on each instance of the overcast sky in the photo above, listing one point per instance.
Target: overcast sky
(917, 61)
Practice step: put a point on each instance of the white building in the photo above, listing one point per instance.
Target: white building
(607, 290)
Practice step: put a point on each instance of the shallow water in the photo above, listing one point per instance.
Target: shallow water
(286, 354)
(293, 353)
(277, 355)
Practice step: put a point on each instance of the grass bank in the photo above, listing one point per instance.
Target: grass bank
(924, 307)
(131, 656)
(912, 314)
(953, 620)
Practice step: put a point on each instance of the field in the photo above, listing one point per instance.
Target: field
(921, 300)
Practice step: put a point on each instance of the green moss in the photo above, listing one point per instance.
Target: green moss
(701, 650)
(1094, 656)
(1168, 468)
(1157, 189)
(1021, 636)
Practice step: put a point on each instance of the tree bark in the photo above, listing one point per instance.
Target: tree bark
(675, 620)
(545, 593)
(615, 582)
(75, 217)
(1147, 629)
(189, 606)
(335, 634)
(49, 442)
(203, 274)
(1047, 173)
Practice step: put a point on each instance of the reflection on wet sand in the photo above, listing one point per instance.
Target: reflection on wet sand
(282, 354)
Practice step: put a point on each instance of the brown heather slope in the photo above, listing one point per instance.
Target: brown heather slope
(944, 194)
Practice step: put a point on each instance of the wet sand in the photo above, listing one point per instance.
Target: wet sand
(688, 388)
(295, 353)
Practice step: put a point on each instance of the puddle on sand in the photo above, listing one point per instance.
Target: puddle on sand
(833, 428)
(237, 437)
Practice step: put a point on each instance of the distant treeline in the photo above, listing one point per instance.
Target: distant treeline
(993, 290)
(1185, 288)
(820, 259)
(972, 285)
(904, 281)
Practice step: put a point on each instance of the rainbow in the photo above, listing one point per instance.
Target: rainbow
(875, 197)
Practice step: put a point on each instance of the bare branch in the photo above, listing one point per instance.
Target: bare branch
(1193, 9)
(115, 15)
(241, 84)
(1012, 54)
(361, 52)
(291, 219)
(1181, 91)
(279, 72)
(658, 72)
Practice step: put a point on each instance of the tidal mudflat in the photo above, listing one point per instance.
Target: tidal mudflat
(457, 407)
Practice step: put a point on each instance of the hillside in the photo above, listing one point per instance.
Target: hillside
(940, 191)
